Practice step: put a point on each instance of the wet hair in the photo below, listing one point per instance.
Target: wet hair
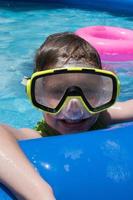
(66, 48)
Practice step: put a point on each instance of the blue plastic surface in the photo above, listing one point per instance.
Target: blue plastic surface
(92, 165)
(122, 6)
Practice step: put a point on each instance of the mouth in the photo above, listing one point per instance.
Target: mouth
(72, 126)
(73, 123)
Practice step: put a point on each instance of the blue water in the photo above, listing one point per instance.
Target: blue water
(23, 27)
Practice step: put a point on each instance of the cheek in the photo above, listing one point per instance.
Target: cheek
(50, 119)
(53, 122)
(95, 118)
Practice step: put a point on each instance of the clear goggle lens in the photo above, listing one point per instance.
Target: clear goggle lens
(97, 89)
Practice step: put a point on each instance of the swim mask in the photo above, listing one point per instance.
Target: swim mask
(93, 90)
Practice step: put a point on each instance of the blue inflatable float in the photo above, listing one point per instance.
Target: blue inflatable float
(90, 166)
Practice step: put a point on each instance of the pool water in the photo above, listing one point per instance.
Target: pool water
(23, 27)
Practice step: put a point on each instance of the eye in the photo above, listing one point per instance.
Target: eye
(55, 93)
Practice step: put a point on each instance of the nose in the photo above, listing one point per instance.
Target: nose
(74, 104)
(74, 108)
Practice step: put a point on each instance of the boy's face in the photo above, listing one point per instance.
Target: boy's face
(74, 96)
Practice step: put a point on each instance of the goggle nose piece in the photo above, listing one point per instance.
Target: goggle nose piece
(74, 91)
(74, 106)
(74, 109)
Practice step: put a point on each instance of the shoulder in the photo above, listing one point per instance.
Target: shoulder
(26, 133)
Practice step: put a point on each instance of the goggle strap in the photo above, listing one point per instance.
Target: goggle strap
(25, 80)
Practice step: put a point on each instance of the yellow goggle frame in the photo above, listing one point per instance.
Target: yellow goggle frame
(31, 82)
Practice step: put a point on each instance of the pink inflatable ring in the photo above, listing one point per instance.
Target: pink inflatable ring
(112, 43)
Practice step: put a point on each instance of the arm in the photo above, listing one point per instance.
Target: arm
(121, 112)
(16, 172)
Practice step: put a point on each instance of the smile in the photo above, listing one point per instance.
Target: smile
(75, 121)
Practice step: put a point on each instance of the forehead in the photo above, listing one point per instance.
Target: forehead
(72, 79)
